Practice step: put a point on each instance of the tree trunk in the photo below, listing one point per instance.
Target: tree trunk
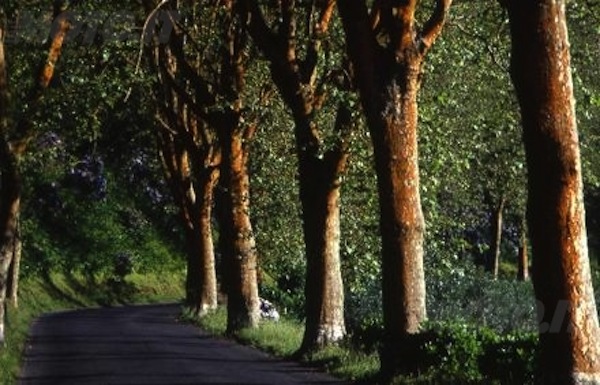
(401, 218)
(195, 206)
(540, 67)
(15, 269)
(319, 169)
(201, 280)
(320, 185)
(10, 191)
(494, 265)
(523, 258)
(10, 202)
(240, 253)
(387, 50)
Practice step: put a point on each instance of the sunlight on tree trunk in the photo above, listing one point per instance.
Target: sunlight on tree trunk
(541, 71)
(241, 257)
(388, 51)
(320, 198)
(319, 168)
(15, 269)
(190, 155)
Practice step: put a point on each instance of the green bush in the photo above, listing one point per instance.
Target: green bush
(457, 353)
(509, 358)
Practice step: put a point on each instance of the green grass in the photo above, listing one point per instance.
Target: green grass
(280, 338)
(283, 339)
(61, 292)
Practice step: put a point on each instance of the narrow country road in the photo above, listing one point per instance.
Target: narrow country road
(146, 345)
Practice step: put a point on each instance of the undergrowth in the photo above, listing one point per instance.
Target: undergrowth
(443, 353)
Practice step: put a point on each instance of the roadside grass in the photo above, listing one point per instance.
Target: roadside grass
(58, 292)
(283, 338)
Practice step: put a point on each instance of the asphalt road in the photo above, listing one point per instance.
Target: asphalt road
(146, 345)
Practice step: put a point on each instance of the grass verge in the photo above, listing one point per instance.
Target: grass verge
(66, 292)
(283, 338)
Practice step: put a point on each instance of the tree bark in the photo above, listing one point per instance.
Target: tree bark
(240, 254)
(195, 202)
(540, 67)
(15, 269)
(401, 218)
(387, 52)
(319, 169)
(208, 276)
(190, 158)
(320, 185)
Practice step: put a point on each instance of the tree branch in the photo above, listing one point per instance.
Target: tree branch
(433, 27)
(363, 51)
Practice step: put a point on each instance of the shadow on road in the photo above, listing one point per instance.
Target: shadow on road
(146, 345)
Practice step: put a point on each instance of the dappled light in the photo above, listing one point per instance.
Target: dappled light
(392, 192)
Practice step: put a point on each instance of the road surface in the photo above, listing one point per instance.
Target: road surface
(146, 345)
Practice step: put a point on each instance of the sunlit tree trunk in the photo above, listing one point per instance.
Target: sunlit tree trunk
(541, 72)
(190, 158)
(319, 168)
(401, 218)
(201, 278)
(15, 269)
(208, 276)
(320, 185)
(240, 254)
(195, 202)
(388, 50)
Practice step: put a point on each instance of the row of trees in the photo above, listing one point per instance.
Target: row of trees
(387, 49)
(212, 93)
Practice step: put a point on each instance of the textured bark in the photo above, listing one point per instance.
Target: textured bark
(15, 269)
(235, 134)
(320, 185)
(387, 51)
(190, 158)
(240, 254)
(540, 67)
(195, 94)
(195, 202)
(319, 169)
(208, 274)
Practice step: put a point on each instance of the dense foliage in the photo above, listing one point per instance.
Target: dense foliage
(96, 205)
